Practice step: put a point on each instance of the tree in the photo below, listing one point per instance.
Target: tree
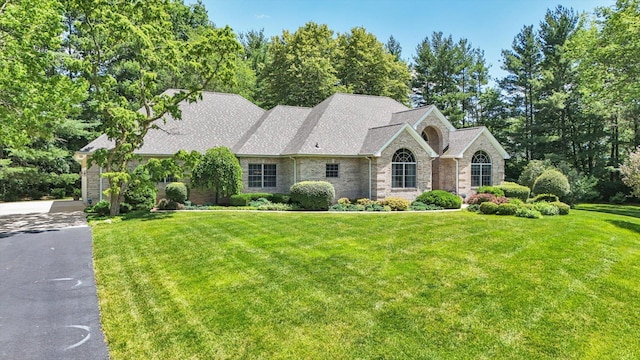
(521, 85)
(220, 171)
(630, 171)
(136, 40)
(393, 47)
(33, 97)
(364, 67)
(450, 75)
(299, 69)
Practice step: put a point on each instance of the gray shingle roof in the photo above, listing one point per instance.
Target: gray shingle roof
(377, 137)
(460, 140)
(410, 116)
(216, 120)
(273, 132)
(338, 125)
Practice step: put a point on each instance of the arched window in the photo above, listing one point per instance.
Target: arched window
(480, 169)
(403, 169)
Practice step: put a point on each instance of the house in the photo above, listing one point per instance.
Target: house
(366, 146)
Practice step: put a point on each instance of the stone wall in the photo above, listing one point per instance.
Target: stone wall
(497, 162)
(350, 182)
(382, 184)
(284, 174)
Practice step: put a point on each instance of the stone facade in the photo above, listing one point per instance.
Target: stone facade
(497, 165)
(382, 181)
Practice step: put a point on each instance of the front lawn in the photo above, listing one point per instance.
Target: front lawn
(353, 285)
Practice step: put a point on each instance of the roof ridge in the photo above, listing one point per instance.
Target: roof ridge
(249, 133)
(307, 126)
(415, 109)
(388, 125)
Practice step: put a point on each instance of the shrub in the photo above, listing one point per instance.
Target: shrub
(280, 198)
(528, 213)
(344, 201)
(125, 208)
(101, 208)
(546, 208)
(141, 196)
(273, 206)
(376, 206)
(259, 202)
(396, 203)
(346, 207)
(488, 207)
(490, 190)
(618, 198)
(545, 198)
(440, 198)
(516, 201)
(473, 208)
(532, 171)
(513, 190)
(313, 195)
(166, 204)
(507, 209)
(176, 191)
(420, 206)
(563, 209)
(245, 199)
(364, 201)
(59, 193)
(477, 199)
(219, 170)
(552, 182)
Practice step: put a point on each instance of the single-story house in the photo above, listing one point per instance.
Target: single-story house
(366, 146)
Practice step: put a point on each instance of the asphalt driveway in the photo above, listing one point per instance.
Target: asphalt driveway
(48, 301)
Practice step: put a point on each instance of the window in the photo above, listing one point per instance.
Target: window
(262, 175)
(403, 169)
(480, 169)
(332, 170)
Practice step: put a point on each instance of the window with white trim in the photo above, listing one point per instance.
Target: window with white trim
(332, 170)
(480, 169)
(403, 169)
(262, 175)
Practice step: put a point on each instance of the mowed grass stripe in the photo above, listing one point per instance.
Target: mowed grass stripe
(411, 285)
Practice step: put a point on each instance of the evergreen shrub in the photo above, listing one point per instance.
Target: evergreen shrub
(528, 213)
(491, 190)
(507, 209)
(177, 192)
(488, 208)
(545, 198)
(513, 190)
(563, 209)
(313, 195)
(396, 203)
(440, 198)
(552, 182)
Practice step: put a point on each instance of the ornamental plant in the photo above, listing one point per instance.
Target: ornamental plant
(552, 182)
(313, 195)
(441, 198)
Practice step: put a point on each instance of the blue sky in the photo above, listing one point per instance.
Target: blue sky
(489, 25)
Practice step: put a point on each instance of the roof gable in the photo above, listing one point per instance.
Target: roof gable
(461, 140)
(378, 139)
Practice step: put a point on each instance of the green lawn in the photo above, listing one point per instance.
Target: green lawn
(451, 285)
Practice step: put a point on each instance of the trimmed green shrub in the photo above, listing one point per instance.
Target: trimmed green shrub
(507, 209)
(396, 203)
(488, 208)
(59, 193)
(166, 204)
(344, 201)
(552, 182)
(473, 208)
(275, 207)
(513, 190)
(280, 198)
(246, 198)
(545, 198)
(258, 202)
(532, 171)
(440, 198)
(528, 213)
(141, 196)
(313, 195)
(546, 208)
(490, 190)
(515, 201)
(420, 206)
(563, 209)
(176, 191)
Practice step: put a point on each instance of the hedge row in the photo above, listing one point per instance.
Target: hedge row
(246, 198)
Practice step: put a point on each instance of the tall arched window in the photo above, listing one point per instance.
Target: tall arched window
(403, 169)
(480, 169)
